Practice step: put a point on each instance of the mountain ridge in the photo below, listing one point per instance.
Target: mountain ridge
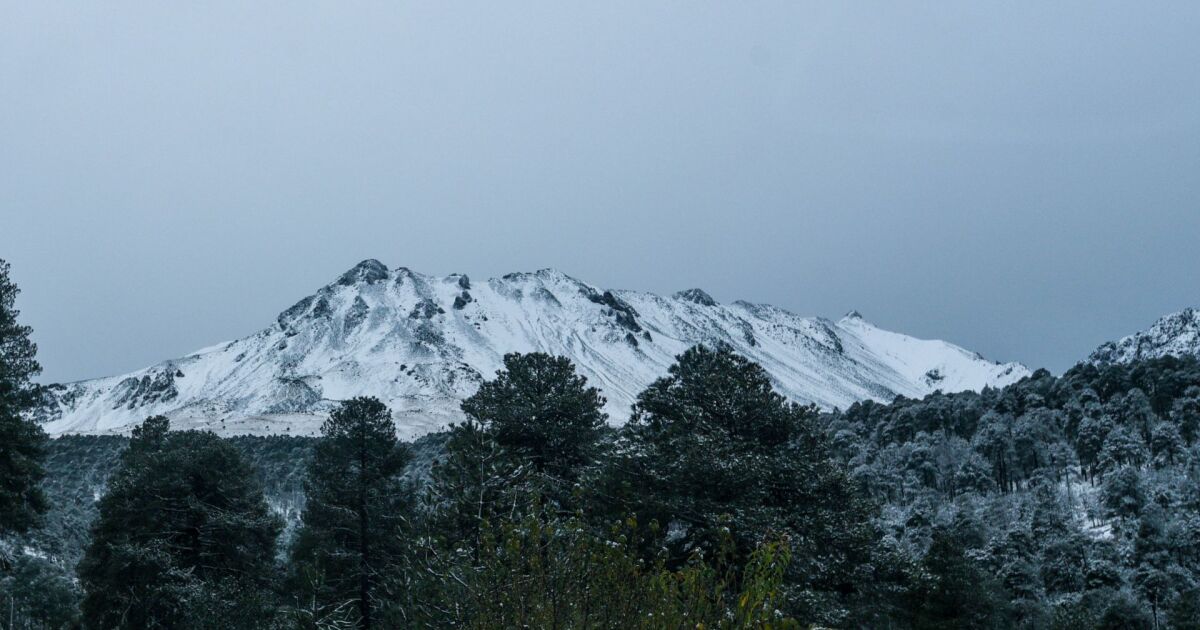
(1174, 334)
(423, 343)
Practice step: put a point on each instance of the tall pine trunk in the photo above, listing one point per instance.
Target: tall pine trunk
(364, 578)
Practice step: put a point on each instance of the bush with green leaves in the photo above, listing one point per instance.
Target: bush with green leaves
(545, 571)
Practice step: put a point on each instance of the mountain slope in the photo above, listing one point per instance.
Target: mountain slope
(1177, 334)
(423, 343)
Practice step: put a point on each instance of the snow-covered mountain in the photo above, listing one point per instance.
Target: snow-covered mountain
(423, 343)
(1177, 334)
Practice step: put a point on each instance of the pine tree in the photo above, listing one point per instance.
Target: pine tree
(1185, 614)
(1123, 493)
(1186, 413)
(1166, 444)
(538, 408)
(994, 441)
(712, 448)
(355, 518)
(1124, 613)
(22, 442)
(474, 482)
(953, 592)
(184, 538)
(1089, 442)
(37, 593)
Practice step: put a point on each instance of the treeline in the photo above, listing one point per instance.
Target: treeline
(1069, 502)
(717, 506)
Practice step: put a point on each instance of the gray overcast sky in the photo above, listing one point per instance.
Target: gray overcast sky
(1019, 178)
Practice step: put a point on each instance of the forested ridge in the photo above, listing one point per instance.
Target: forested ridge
(1056, 502)
(1069, 501)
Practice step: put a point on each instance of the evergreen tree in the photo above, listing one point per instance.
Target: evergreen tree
(953, 592)
(1093, 431)
(355, 518)
(22, 442)
(994, 441)
(538, 408)
(713, 448)
(1185, 614)
(184, 538)
(1166, 444)
(1185, 411)
(474, 482)
(1124, 613)
(1123, 446)
(1123, 493)
(37, 593)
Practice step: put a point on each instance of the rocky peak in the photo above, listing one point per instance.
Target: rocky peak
(420, 343)
(697, 296)
(368, 271)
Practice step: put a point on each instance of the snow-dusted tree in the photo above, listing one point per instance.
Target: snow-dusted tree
(952, 591)
(994, 441)
(1185, 412)
(22, 442)
(475, 481)
(1123, 492)
(184, 538)
(540, 409)
(1093, 430)
(712, 448)
(1166, 445)
(355, 519)
(1122, 447)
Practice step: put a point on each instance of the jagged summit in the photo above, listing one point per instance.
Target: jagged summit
(1176, 334)
(368, 271)
(697, 296)
(852, 315)
(423, 343)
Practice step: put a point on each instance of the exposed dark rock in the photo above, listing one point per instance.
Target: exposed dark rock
(296, 310)
(356, 315)
(747, 332)
(368, 271)
(697, 296)
(462, 301)
(625, 315)
(830, 337)
(544, 294)
(425, 309)
(150, 388)
(322, 308)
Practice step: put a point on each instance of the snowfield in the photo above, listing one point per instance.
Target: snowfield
(423, 343)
